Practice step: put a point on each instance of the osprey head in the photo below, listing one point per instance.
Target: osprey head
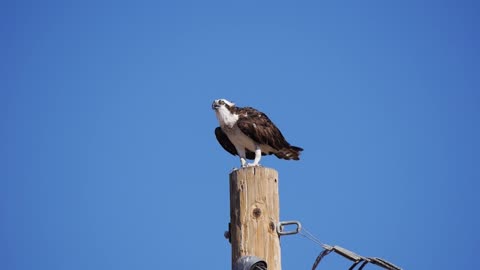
(218, 103)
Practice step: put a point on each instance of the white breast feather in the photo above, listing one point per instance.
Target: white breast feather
(227, 122)
(225, 117)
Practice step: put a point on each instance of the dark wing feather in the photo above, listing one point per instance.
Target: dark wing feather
(260, 128)
(225, 142)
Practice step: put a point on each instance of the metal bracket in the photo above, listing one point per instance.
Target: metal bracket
(355, 258)
(250, 263)
(280, 225)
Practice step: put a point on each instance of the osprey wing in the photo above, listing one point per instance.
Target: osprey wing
(225, 142)
(260, 128)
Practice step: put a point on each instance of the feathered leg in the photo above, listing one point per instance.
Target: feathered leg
(241, 154)
(258, 156)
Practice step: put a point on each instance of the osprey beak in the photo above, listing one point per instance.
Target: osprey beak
(215, 106)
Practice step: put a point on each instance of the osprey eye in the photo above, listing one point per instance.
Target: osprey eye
(221, 102)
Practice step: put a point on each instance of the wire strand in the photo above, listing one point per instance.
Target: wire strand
(307, 234)
(346, 253)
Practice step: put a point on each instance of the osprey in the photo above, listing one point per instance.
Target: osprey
(250, 134)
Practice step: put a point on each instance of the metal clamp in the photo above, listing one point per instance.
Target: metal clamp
(250, 263)
(280, 225)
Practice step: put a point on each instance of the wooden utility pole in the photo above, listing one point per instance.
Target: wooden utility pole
(254, 215)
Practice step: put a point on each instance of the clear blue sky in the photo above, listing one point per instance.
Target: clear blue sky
(109, 160)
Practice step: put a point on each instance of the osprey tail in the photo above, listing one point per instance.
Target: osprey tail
(290, 152)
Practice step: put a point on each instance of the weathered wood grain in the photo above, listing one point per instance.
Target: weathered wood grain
(254, 213)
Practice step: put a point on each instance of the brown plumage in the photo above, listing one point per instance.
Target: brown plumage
(237, 124)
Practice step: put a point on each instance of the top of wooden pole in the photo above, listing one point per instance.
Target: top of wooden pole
(254, 215)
